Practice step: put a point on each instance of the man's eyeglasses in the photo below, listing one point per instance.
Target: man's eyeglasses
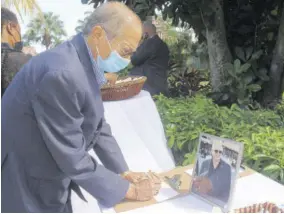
(218, 151)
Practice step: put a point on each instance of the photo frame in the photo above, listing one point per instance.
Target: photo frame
(218, 162)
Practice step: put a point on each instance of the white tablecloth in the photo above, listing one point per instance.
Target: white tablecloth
(137, 127)
(251, 189)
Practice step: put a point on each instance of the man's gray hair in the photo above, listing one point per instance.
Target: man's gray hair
(110, 16)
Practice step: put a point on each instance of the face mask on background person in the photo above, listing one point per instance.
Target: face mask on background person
(113, 63)
(18, 44)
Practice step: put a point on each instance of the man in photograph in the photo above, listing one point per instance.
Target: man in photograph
(214, 176)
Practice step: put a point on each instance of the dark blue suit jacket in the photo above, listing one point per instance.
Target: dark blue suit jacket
(151, 59)
(219, 177)
(52, 115)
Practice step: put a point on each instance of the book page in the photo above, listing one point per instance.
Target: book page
(166, 192)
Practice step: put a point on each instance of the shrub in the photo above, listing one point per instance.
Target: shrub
(125, 71)
(261, 131)
(245, 78)
(188, 65)
(187, 82)
(280, 108)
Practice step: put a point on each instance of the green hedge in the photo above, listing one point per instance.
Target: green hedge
(261, 131)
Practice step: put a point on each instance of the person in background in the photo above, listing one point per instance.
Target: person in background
(12, 57)
(151, 59)
(214, 175)
(52, 115)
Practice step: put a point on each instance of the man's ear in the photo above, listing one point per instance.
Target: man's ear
(97, 34)
(9, 28)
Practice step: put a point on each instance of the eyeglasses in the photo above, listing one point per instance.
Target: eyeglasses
(218, 151)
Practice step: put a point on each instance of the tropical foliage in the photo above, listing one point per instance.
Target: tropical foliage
(49, 31)
(230, 28)
(261, 131)
(188, 64)
(22, 6)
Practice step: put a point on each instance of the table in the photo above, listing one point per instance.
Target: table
(137, 127)
(251, 187)
(146, 139)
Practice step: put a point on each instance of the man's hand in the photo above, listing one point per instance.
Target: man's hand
(142, 183)
(133, 177)
(202, 184)
(142, 191)
(136, 177)
(156, 182)
(111, 78)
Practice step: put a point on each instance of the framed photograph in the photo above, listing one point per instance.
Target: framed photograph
(216, 169)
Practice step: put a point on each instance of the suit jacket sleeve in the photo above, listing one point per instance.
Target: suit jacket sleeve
(108, 150)
(57, 107)
(143, 52)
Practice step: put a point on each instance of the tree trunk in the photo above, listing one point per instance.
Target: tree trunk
(282, 87)
(46, 39)
(274, 87)
(218, 50)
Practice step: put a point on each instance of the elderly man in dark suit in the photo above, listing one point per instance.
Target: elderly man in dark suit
(151, 59)
(12, 57)
(52, 115)
(214, 176)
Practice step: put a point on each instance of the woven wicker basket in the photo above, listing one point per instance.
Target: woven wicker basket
(123, 90)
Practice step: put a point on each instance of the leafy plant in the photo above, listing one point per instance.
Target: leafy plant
(280, 108)
(188, 64)
(261, 131)
(125, 71)
(187, 82)
(244, 79)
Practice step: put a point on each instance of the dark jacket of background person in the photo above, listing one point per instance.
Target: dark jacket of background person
(151, 59)
(219, 177)
(11, 63)
(52, 115)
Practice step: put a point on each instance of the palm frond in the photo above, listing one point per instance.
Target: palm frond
(48, 32)
(27, 7)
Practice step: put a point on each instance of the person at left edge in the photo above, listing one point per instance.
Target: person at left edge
(52, 115)
(12, 57)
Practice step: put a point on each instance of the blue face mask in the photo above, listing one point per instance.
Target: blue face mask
(113, 63)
